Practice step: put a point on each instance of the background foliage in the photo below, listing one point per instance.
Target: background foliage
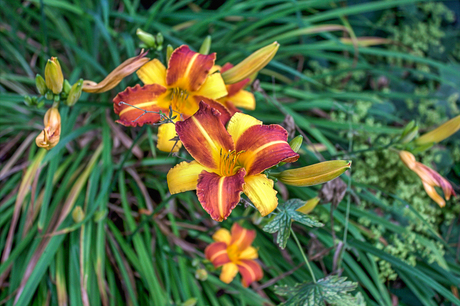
(386, 234)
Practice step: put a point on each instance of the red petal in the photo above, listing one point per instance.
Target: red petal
(217, 253)
(242, 237)
(219, 194)
(265, 146)
(250, 271)
(188, 69)
(225, 113)
(145, 97)
(231, 108)
(226, 67)
(204, 136)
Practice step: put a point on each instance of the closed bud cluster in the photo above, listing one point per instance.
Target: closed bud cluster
(54, 78)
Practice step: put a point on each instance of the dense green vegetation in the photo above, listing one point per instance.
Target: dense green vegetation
(92, 222)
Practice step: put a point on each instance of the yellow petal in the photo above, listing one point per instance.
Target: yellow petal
(239, 123)
(229, 272)
(222, 235)
(184, 177)
(244, 99)
(308, 206)
(442, 132)
(154, 72)
(315, 174)
(166, 132)
(212, 88)
(259, 190)
(249, 253)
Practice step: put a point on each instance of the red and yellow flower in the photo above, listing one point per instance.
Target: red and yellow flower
(229, 161)
(181, 86)
(233, 251)
(429, 177)
(237, 96)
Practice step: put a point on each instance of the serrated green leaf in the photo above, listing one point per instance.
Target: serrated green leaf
(332, 289)
(281, 224)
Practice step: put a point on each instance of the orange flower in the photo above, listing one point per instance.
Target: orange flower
(229, 161)
(429, 177)
(237, 97)
(182, 86)
(50, 135)
(233, 251)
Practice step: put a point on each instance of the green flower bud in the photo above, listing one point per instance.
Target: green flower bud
(146, 38)
(75, 93)
(160, 39)
(67, 87)
(206, 45)
(296, 143)
(169, 51)
(78, 215)
(49, 95)
(41, 85)
(54, 78)
(28, 101)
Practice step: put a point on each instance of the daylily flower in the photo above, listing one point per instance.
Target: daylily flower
(233, 251)
(228, 162)
(429, 177)
(182, 86)
(50, 135)
(237, 97)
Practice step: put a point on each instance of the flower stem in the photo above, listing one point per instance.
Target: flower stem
(304, 257)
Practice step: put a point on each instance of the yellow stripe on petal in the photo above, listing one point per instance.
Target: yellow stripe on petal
(222, 235)
(239, 123)
(259, 190)
(229, 272)
(166, 132)
(154, 72)
(184, 177)
(213, 87)
(244, 99)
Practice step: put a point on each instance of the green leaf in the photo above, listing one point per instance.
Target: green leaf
(281, 224)
(332, 289)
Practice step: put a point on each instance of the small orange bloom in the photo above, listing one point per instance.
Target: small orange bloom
(233, 251)
(429, 177)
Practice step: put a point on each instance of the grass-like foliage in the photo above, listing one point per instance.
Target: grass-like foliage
(93, 222)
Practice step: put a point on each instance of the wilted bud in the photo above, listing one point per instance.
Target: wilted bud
(296, 143)
(50, 135)
(28, 101)
(77, 214)
(408, 159)
(250, 65)
(67, 87)
(41, 85)
(201, 274)
(315, 174)
(75, 93)
(409, 132)
(169, 51)
(206, 45)
(309, 206)
(147, 38)
(440, 133)
(53, 75)
(114, 78)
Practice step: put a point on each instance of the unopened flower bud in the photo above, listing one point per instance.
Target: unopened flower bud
(253, 63)
(49, 95)
(439, 134)
(206, 45)
(67, 87)
(409, 132)
(39, 104)
(190, 302)
(41, 85)
(309, 205)
(315, 174)
(28, 101)
(147, 38)
(53, 75)
(50, 135)
(169, 51)
(75, 93)
(296, 143)
(160, 39)
(77, 214)
(201, 274)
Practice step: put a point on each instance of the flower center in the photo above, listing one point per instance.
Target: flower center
(229, 162)
(178, 96)
(233, 253)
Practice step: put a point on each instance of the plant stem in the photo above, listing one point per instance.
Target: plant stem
(304, 257)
